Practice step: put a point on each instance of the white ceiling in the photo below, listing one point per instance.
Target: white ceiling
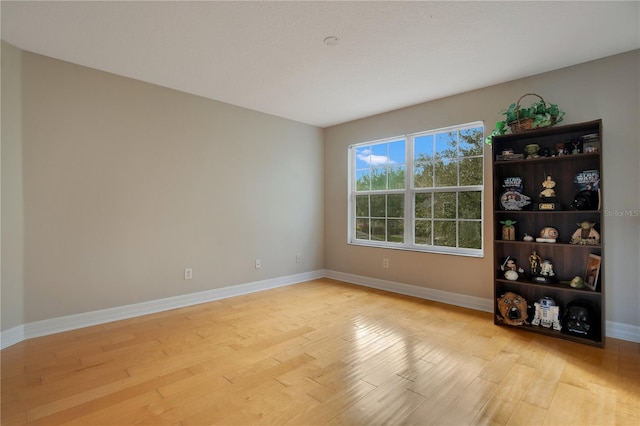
(270, 56)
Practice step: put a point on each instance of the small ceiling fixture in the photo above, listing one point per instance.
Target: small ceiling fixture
(331, 41)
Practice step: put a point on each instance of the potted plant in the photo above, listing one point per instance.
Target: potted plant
(518, 119)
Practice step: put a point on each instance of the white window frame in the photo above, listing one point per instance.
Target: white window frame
(410, 191)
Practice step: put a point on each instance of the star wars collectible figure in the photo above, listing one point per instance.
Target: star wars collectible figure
(547, 314)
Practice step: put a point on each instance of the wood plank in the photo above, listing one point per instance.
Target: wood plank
(542, 389)
(389, 403)
(502, 405)
(470, 403)
(526, 414)
(567, 406)
(441, 392)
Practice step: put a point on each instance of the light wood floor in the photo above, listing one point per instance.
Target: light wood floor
(322, 352)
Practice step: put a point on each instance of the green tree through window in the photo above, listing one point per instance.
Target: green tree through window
(420, 192)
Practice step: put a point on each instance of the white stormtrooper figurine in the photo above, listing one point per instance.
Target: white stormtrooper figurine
(547, 314)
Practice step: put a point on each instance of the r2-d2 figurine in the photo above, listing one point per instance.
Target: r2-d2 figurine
(546, 269)
(547, 314)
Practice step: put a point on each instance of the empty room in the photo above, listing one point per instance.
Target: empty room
(320, 212)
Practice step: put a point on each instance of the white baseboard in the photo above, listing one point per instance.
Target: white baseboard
(11, 336)
(72, 322)
(471, 302)
(622, 331)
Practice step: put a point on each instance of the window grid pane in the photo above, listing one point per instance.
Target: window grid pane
(442, 200)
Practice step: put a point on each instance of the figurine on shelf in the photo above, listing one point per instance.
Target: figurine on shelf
(545, 275)
(576, 282)
(534, 263)
(548, 186)
(511, 269)
(541, 272)
(546, 269)
(578, 318)
(576, 146)
(512, 308)
(586, 200)
(513, 200)
(527, 237)
(547, 314)
(549, 234)
(586, 234)
(508, 230)
(548, 199)
(532, 150)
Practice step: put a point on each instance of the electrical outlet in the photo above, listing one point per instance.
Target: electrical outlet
(188, 273)
(258, 264)
(298, 258)
(385, 263)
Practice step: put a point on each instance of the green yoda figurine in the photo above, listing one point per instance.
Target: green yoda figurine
(586, 234)
(508, 230)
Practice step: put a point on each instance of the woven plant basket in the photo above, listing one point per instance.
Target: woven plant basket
(525, 124)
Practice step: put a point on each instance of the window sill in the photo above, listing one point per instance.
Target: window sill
(429, 249)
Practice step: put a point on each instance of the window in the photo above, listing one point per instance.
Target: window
(420, 192)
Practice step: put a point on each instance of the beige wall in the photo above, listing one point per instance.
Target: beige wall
(607, 89)
(11, 281)
(127, 183)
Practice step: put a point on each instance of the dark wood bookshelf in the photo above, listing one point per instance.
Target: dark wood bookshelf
(569, 260)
